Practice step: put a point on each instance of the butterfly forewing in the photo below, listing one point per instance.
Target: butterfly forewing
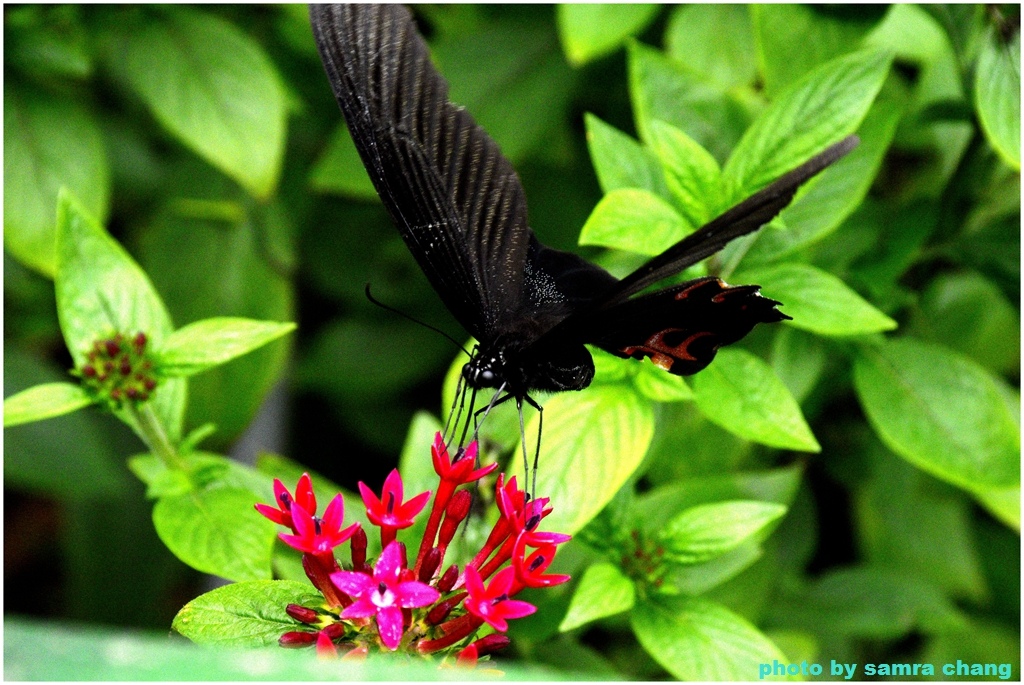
(456, 200)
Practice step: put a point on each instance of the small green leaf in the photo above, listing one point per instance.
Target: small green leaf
(44, 402)
(660, 88)
(694, 639)
(341, 171)
(798, 359)
(48, 143)
(160, 481)
(246, 614)
(742, 394)
(211, 342)
(101, 290)
(214, 88)
(940, 411)
(715, 41)
(707, 531)
(415, 464)
(620, 161)
(592, 443)
(837, 192)
(602, 591)
(634, 220)
(818, 301)
(793, 39)
(589, 31)
(997, 95)
(659, 385)
(216, 530)
(691, 173)
(1003, 503)
(816, 111)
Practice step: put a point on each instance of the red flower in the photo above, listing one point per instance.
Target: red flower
(383, 595)
(315, 535)
(389, 512)
(530, 570)
(462, 470)
(492, 604)
(282, 514)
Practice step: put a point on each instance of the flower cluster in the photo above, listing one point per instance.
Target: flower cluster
(117, 369)
(423, 607)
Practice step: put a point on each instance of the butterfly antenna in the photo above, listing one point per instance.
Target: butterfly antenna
(389, 308)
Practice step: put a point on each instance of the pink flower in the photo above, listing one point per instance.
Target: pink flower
(383, 595)
(315, 535)
(282, 514)
(389, 512)
(492, 604)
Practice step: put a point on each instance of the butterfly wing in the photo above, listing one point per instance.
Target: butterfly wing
(455, 199)
(680, 328)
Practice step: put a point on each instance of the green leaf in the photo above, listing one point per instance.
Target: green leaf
(634, 220)
(215, 89)
(160, 481)
(340, 170)
(714, 41)
(818, 301)
(44, 402)
(970, 314)
(997, 95)
(49, 142)
(798, 359)
(940, 411)
(691, 173)
(869, 603)
(246, 614)
(592, 31)
(1003, 503)
(742, 394)
(602, 591)
(659, 385)
(512, 76)
(211, 342)
(216, 530)
(694, 639)
(816, 111)
(593, 442)
(793, 39)
(662, 89)
(707, 531)
(621, 162)
(101, 290)
(415, 464)
(837, 192)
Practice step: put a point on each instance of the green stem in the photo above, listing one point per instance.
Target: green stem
(154, 436)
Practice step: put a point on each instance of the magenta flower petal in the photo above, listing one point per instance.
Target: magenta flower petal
(389, 625)
(335, 513)
(514, 608)
(352, 583)
(304, 493)
(369, 499)
(361, 608)
(416, 594)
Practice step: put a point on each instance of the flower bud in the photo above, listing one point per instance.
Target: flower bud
(301, 613)
(358, 544)
(296, 638)
(335, 630)
(447, 581)
(491, 643)
(430, 564)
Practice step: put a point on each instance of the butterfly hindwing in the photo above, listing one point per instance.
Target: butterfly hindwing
(681, 328)
(455, 199)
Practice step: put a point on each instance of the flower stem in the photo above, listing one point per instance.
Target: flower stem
(152, 433)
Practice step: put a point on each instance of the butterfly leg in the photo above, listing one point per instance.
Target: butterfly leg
(459, 401)
(496, 400)
(527, 471)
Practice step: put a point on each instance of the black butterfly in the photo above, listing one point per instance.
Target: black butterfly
(460, 208)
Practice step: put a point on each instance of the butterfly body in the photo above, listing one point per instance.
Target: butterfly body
(460, 207)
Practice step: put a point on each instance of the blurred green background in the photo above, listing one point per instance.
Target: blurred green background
(253, 203)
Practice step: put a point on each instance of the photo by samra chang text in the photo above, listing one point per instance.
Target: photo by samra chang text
(954, 670)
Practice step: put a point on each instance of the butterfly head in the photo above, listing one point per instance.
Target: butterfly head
(484, 371)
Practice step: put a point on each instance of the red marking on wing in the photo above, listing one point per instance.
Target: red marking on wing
(661, 353)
